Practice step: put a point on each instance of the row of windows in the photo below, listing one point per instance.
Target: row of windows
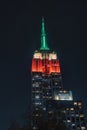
(37, 103)
(77, 127)
(39, 97)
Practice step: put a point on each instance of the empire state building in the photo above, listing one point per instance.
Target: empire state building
(48, 97)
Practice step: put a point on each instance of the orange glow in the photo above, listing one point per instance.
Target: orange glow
(45, 66)
(36, 65)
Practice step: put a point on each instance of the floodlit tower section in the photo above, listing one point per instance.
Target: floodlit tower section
(46, 77)
(43, 37)
(45, 62)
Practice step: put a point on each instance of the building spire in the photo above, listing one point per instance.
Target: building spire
(44, 45)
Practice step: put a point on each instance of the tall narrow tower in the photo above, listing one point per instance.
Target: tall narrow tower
(48, 95)
(46, 76)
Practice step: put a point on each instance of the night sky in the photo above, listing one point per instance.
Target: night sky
(20, 29)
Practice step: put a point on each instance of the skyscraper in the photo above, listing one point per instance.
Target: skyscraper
(48, 95)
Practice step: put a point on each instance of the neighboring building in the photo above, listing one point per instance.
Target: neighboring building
(71, 112)
(48, 96)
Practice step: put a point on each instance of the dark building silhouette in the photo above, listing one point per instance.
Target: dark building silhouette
(50, 101)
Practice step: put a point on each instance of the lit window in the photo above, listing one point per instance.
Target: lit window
(77, 114)
(68, 121)
(36, 115)
(75, 103)
(37, 97)
(44, 108)
(72, 109)
(38, 103)
(73, 124)
(34, 128)
(56, 83)
(80, 107)
(65, 91)
(83, 128)
(72, 114)
(79, 103)
(37, 84)
(52, 56)
(36, 76)
(37, 55)
(81, 115)
(56, 97)
(37, 91)
(33, 85)
(32, 78)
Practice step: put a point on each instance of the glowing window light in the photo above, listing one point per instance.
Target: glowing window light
(52, 56)
(81, 115)
(56, 97)
(67, 108)
(75, 103)
(63, 96)
(37, 56)
(33, 85)
(83, 128)
(72, 109)
(68, 121)
(34, 127)
(37, 96)
(38, 103)
(79, 103)
(37, 84)
(37, 115)
(77, 115)
(73, 124)
(44, 108)
(48, 67)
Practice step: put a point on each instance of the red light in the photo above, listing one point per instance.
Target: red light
(45, 66)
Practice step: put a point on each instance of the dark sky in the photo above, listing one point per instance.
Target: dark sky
(20, 27)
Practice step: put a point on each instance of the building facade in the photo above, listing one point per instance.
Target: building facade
(48, 96)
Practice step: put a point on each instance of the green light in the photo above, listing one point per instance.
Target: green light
(44, 45)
